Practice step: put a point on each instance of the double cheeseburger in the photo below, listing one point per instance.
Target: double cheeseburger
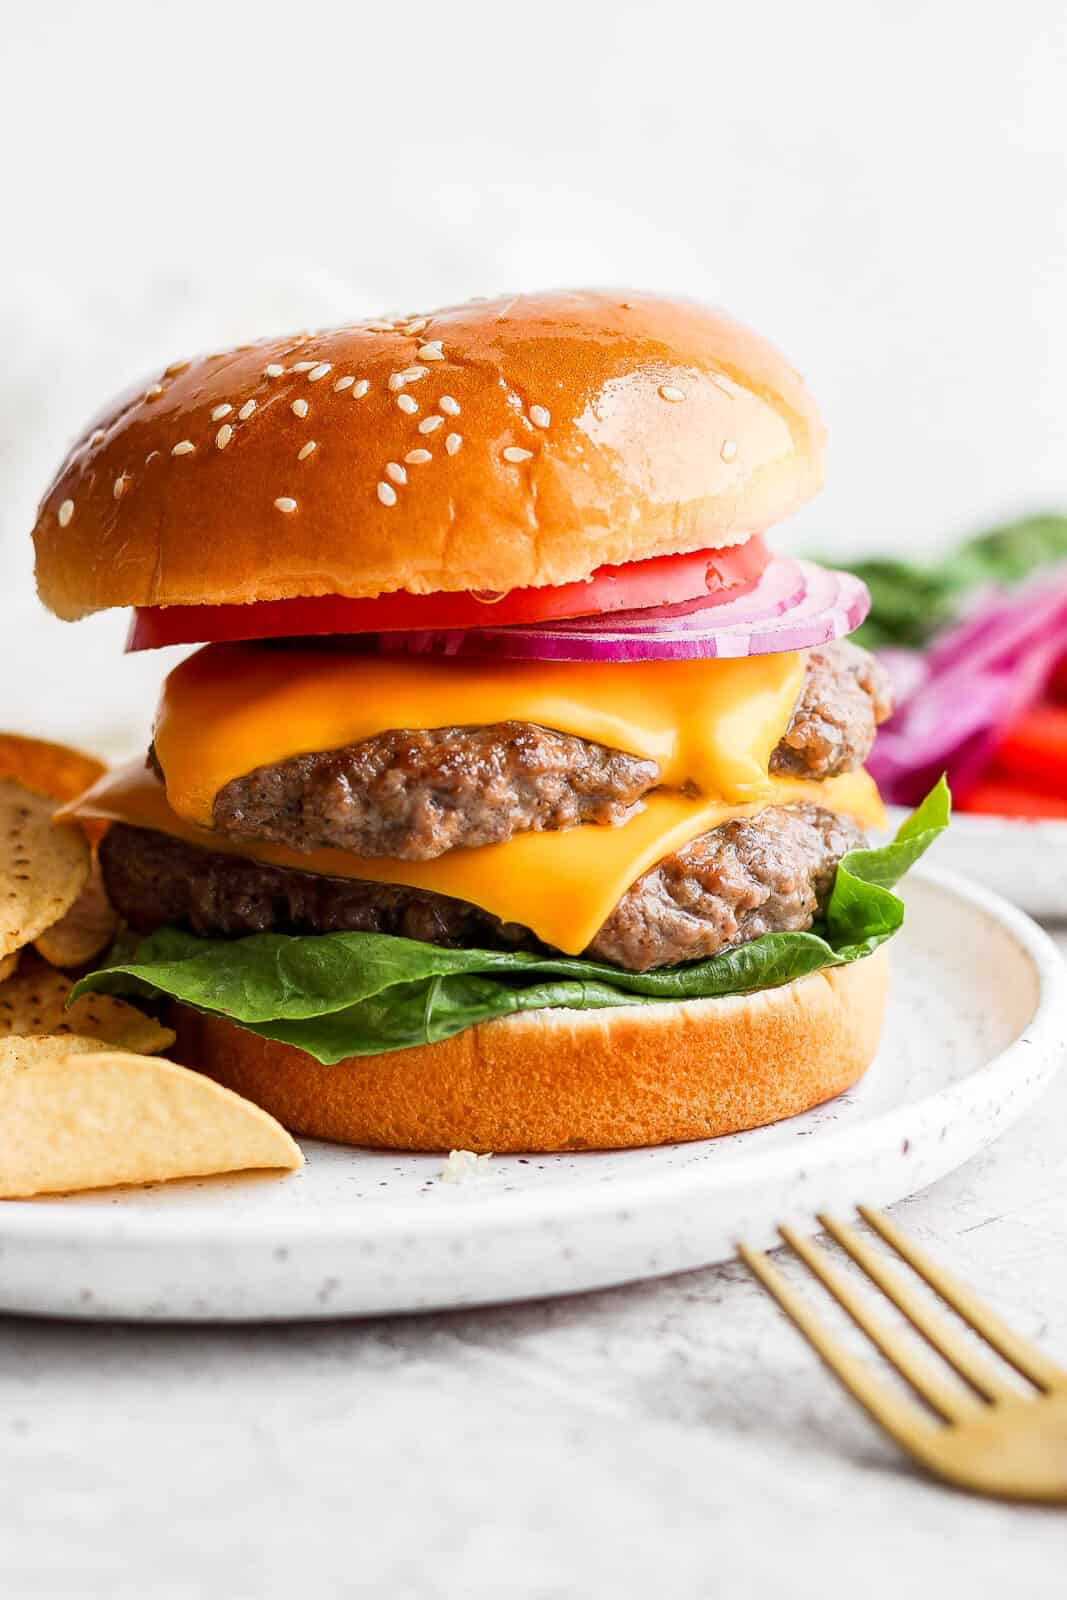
(510, 754)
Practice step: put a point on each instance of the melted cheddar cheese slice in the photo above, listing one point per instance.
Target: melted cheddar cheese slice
(711, 725)
(562, 885)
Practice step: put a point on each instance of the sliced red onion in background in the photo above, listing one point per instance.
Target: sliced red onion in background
(980, 676)
(796, 604)
(908, 670)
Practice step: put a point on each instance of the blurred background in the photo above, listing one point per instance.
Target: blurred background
(881, 190)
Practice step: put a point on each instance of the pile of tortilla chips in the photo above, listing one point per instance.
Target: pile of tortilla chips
(84, 1100)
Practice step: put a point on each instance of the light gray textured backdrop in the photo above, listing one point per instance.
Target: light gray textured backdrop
(881, 189)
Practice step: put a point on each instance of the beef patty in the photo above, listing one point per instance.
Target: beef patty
(414, 795)
(846, 694)
(763, 874)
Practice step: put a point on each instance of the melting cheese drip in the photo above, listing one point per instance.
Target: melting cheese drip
(562, 885)
(710, 725)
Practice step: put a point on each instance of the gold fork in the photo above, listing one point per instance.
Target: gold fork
(986, 1434)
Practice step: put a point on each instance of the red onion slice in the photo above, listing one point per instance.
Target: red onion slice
(796, 604)
(979, 676)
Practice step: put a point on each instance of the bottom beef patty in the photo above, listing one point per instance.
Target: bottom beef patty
(764, 874)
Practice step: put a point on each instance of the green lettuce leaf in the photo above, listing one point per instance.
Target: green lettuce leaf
(353, 994)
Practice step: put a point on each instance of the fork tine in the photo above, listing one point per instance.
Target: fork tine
(900, 1418)
(953, 1404)
(925, 1318)
(1022, 1355)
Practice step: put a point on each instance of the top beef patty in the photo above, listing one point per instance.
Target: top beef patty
(414, 795)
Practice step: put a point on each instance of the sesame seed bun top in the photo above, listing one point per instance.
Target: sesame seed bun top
(504, 443)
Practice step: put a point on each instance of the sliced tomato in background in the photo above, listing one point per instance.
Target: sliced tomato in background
(1000, 797)
(1033, 751)
(661, 580)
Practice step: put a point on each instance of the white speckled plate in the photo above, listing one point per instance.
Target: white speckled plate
(978, 1024)
(1026, 862)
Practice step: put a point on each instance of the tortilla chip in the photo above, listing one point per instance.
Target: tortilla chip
(35, 1001)
(86, 929)
(92, 1120)
(9, 965)
(43, 868)
(21, 1050)
(53, 770)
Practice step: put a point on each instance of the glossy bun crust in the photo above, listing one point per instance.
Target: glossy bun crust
(570, 1080)
(494, 445)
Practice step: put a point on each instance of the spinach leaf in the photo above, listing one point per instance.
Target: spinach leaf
(336, 995)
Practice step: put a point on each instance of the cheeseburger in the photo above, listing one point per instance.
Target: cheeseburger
(514, 797)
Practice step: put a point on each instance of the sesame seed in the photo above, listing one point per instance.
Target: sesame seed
(66, 511)
(387, 494)
(184, 447)
(431, 351)
(540, 417)
(174, 369)
(343, 383)
(413, 374)
(416, 325)
(220, 412)
(300, 408)
(307, 449)
(397, 380)
(361, 389)
(151, 456)
(96, 436)
(273, 369)
(449, 406)
(301, 366)
(246, 410)
(394, 470)
(514, 453)
(406, 403)
(729, 449)
(118, 488)
(379, 327)
(428, 424)
(670, 392)
(153, 391)
(417, 458)
(320, 371)
(224, 435)
(453, 442)
(285, 503)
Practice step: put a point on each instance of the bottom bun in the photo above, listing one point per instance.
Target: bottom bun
(570, 1080)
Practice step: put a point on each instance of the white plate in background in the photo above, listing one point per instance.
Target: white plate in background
(1026, 862)
(977, 1026)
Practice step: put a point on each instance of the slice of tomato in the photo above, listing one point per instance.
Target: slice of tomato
(661, 580)
(1033, 751)
(1002, 798)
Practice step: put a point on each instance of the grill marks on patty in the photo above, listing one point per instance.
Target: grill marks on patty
(413, 795)
(764, 874)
